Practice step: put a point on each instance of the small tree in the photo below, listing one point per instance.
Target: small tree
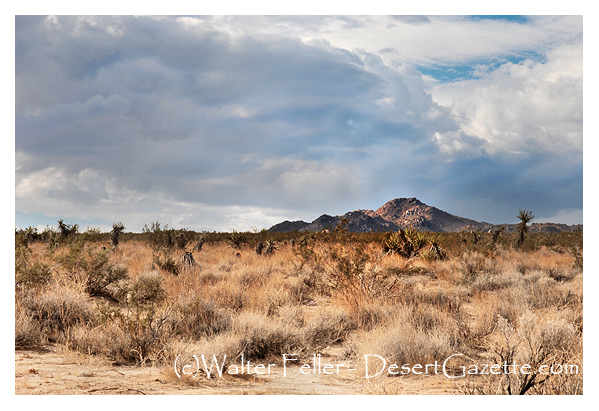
(117, 229)
(66, 229)
(524, 216)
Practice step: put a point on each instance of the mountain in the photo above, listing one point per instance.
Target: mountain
(287, 226)
(407, 212)
(403, 213)
(359, 221)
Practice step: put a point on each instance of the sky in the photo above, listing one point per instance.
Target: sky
(239, 122)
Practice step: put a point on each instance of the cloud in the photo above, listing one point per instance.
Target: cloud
(212, 122)
(522, 108)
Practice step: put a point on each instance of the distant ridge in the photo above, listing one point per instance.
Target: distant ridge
(407, 212)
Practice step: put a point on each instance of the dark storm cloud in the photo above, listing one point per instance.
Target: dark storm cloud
(507, 186)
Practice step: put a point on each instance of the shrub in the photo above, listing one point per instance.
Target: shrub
(413, 339)
(28, 332)
(142, 322)
(167, 264)
(533, 342)
(328, 327)
(104, 275)
(36, 274)
(147, 289)
(353, 273)
(54, 312)
(93, 269)
(199, 318)
(473, 264)
(263, 339)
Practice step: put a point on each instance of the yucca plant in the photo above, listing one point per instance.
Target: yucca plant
(270, 247)
(117, 229)
(235, 240)
(495, 236)
(394, 242)
(398, 243)
(435, 249)
(181, 240)
(419, 241)
(200, 243)
(407, 243)
(259, 248)
(524, 216)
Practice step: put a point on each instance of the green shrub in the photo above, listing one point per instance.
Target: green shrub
(167, 264)
(142, 323)
(147, 289)
(34, 275)
(93, 269)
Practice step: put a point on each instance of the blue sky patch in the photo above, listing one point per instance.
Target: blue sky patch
(475, 69)
(512, 18)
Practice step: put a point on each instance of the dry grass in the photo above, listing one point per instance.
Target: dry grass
(236, 302)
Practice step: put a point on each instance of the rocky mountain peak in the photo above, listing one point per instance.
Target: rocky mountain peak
(400, 208)
(403, 213)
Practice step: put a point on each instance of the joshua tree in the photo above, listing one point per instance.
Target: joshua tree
(187, 260)
(117, 229)
(524, 216)
(66, 229)
(495, 235)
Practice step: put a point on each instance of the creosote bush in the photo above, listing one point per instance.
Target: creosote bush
(352, 272)
(93, 269)
(36, 274)
(142, 324)
(167, 264)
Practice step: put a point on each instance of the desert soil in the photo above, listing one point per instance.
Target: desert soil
(55, 371)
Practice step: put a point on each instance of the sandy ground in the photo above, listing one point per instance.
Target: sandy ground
(59, 372)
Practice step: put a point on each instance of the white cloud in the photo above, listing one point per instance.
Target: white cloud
(39, 183)
(521, 107)
(311, 181)
(439, 39)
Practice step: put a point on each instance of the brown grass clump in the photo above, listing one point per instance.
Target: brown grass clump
(546, 347)
(413, 336)
(50, 316)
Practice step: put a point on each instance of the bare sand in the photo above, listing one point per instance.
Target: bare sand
(56, 371)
